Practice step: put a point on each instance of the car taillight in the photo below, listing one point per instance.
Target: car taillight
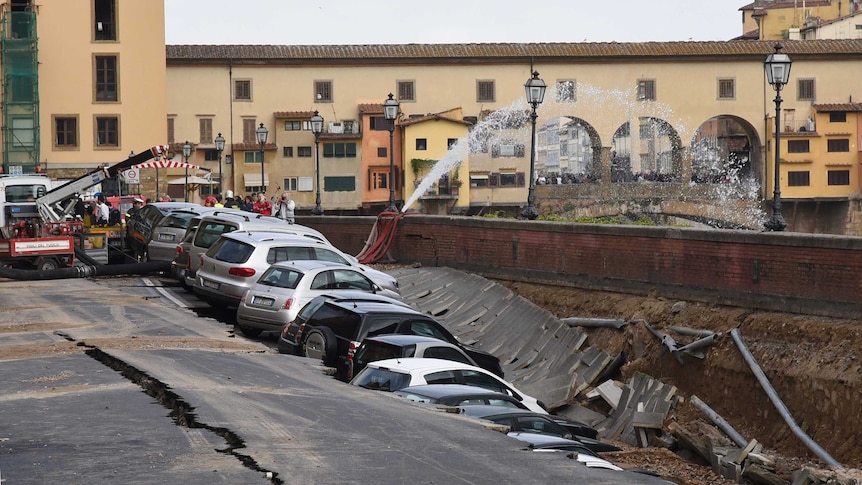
(351, 351)
(201, 261)
(241, 272)
(178, 250)
(288, 304)
(299, 333)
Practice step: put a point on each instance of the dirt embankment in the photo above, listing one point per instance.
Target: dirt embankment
(812, 362)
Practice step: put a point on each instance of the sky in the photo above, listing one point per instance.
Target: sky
(319, 22)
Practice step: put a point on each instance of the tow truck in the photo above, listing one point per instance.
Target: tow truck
(38, 228)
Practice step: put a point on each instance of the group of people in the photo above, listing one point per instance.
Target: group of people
(281, 205)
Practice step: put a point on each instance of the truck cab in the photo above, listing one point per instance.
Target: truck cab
(18, 194)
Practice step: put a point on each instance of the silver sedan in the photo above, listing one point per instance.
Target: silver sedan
(284, 288)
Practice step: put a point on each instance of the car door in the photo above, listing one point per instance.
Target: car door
(485, 381)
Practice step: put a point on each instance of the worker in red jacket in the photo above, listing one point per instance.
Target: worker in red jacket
(262, 205)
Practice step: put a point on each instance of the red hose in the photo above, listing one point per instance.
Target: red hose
(380, 239)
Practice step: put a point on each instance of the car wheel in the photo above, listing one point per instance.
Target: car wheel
(47, 264)
(250, 331)
(320, 344)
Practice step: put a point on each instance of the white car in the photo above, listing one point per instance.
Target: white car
(396, 374)
(277, 296)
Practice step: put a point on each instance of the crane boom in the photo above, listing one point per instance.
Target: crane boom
(57, 204)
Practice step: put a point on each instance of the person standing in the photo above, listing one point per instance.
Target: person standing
(103, 213)
(247, 204)
(229, 201)
(262, 205)
(283, 207)
(136, 207)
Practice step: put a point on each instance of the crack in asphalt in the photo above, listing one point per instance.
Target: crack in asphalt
(181, 412)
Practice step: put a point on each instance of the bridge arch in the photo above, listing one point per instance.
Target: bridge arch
(726, 148)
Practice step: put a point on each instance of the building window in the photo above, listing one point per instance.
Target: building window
(253, 157)
(382, 152)
(210, 155)
(726, 89)
(805, 90)
(646, 89)
(339, 184)
(303, 152)
(65, 132)
(406, 91)
(421, 143)
(290, 183)
(379, 123)
(478, 180)
(322, 91)
(242, 90)
(837, 117)
(508, 179)
(566, 91)
(379, 179)
(838, 177)
(798, 179)
(106, 78)
(249, 130)
(485, 92)
(797, 146)
(297, 126)
(339, 150)
(23, 132)
(171, 132)
(206, 131)
(840, 145)
(105, 16)
(107, 131)
(287, 152)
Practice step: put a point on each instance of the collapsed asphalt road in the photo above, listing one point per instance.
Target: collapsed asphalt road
(101, 383)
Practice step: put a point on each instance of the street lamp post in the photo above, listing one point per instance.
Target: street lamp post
(262, 132)
(187, 152)
(219, 144)
(777, 67)
(390, 112)
(317, 128)
(535, 89)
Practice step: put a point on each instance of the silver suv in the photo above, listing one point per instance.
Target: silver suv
(202, 233)
(236, 261)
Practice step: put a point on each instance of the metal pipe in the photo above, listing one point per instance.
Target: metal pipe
(779, 405)
(693, 332)
(594, 322)
(719, 421)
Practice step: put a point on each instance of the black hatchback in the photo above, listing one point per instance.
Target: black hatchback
(332, 328)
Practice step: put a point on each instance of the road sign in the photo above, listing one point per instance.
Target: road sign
(132, 176)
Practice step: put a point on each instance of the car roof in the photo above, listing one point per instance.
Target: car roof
(377, 307)
(309, 264)
(172, 206)
(257, 237)
(353, 296)
(437, 391)
(403, 339)
(488, 411)
(422, 364)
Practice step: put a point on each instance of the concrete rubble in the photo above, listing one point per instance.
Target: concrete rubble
(549, 358)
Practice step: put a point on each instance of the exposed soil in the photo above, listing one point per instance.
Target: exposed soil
(812, 362)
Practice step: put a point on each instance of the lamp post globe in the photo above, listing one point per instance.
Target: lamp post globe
(262, 133)
(317, 128)
(535, 91)
(219, 144)
(390, 113)
(187, 152)
(777, 66)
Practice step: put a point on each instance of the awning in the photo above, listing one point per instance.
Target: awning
(191, 181)
(167, 164)
(253, 179)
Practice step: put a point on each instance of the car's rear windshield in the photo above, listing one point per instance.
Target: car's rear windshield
(281, 278)
(209, 232)
(177, 220)
(381, 379)
(230, 251)
(343, 323)
(372, 351)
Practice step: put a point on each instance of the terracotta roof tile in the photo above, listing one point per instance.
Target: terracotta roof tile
(827, 107)
(450, 53)
(432, 117)
(299, 115)
(371, 108)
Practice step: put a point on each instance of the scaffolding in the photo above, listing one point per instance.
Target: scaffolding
(19, 62)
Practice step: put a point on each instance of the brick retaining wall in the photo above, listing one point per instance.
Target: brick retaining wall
(795, 272)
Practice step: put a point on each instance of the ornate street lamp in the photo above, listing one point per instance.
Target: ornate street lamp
(187, 152)
(777, 67)
(219, 144)
(262, 132)
(317, 128)
(390, 112)
(535, 89)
